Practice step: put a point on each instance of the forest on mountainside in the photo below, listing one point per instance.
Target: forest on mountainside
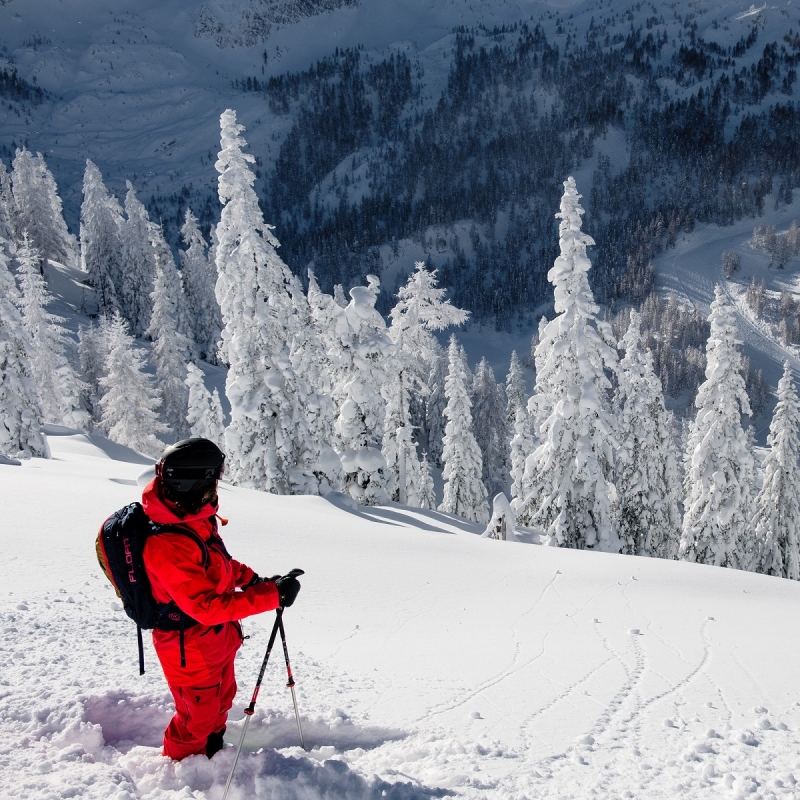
(369, 161)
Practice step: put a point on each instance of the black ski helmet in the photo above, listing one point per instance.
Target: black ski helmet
(188, 469)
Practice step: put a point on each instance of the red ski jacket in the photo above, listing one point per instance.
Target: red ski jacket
(208, 594)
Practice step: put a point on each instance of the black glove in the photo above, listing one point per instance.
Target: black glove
(288, 587)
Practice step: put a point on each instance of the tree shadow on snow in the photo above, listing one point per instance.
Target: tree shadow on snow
(400, 517)
(118, 452)
(114, 451)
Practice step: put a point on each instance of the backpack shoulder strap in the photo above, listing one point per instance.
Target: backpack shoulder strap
(184, 530)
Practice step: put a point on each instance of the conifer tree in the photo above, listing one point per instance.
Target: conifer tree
(516, 390)
(311, 364)
(129, 403)
(522, 445)
(20, 414)
(199, 279)
(137, 278)
(171, 353)
(204, 416)
(360, 354)
(37, 209)
(719, 461)
(464, 492)
(269, 441)
(102, 252)
(777, 508)
(421, 308)
(323, 310)
(426, 497)
(490, 428)
(568, 478)
(647, 479)
(92, 352)
(57, 384)
(6, 204)
(435, 404)
(339, 296)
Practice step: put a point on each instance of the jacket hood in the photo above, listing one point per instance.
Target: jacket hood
(163, 512)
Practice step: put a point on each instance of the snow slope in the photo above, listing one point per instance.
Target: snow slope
(429, 662)
(138, 85)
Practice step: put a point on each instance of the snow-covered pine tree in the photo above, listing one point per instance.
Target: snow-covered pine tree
(6, 205)
(435, 404)
(490, 428)
(719, 462)
(199, 279)
(426, 497)
(360, 355)
(58, 386)
(398, 446)
(339, 296)
(130, 402)
(92, 352)
(171, 352)
(570, 473)
(269, 441)
(311, 365)
(522, 445)
(516, 390)
(204, 415)
(647, 478)
(777, 508)
(20, 414)
(421, 308)
(324, 315)
(174, 281)
(37, 209)
(216, 419)
(310, 362)
(102, 252)
(135, 291)
(464, 492)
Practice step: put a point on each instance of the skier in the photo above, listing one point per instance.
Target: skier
(210, 591)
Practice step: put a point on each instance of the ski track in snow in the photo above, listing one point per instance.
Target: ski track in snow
(511, 669)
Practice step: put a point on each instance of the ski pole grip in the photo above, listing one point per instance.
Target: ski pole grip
(295, 573)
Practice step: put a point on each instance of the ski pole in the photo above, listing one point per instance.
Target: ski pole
(290, 684)
(250, 710)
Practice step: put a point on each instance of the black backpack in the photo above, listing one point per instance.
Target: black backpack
(120, 551)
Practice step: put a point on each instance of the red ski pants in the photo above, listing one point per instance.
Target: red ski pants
(199, 711)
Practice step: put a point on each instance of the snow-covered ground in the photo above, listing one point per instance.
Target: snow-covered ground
(429, 662)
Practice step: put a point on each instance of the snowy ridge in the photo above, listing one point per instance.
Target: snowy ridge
(429, 661)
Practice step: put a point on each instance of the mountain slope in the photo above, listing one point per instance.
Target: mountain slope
(443, 663)
(385, 131)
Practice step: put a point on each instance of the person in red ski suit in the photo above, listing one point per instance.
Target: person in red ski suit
(215, 591)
